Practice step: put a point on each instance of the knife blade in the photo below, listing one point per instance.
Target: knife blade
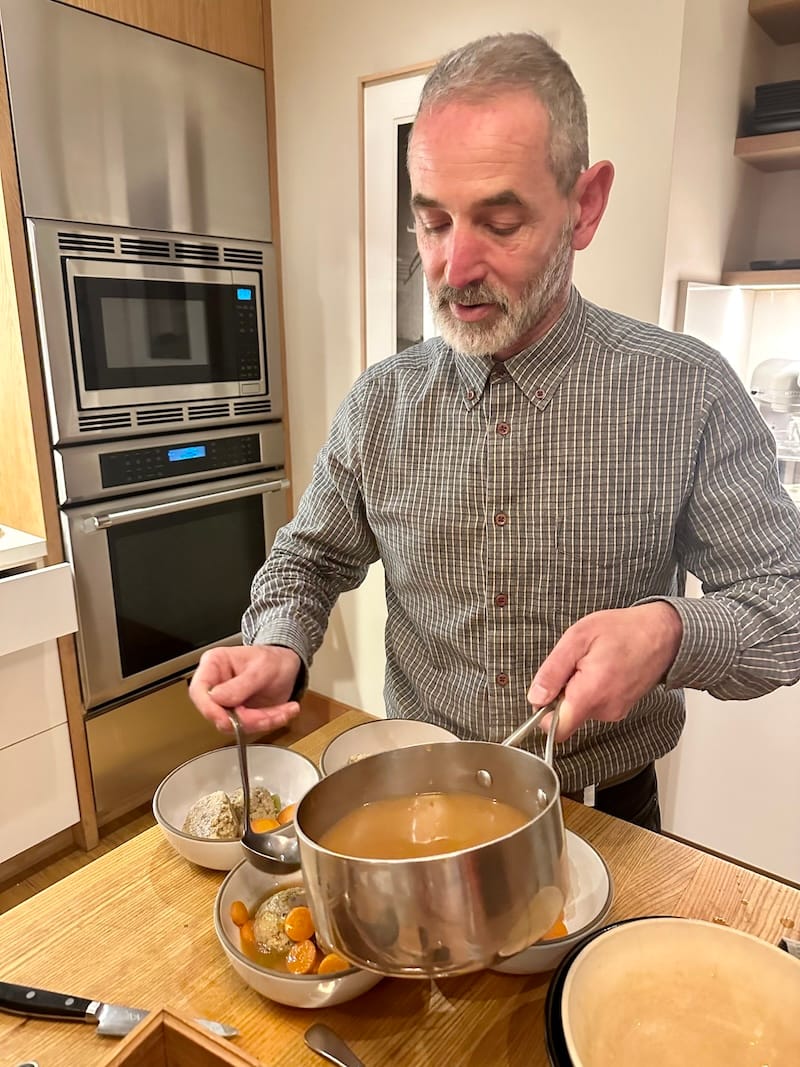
(113, 1020)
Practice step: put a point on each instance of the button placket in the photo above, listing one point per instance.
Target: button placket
(500, 399)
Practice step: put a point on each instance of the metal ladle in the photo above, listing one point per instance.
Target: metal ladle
(271, 851)
(326, 1043)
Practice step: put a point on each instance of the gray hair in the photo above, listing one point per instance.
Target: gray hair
(508, 61)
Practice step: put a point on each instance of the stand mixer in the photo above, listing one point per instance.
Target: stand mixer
(775, 388)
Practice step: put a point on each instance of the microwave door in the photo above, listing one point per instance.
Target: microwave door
(160, 578)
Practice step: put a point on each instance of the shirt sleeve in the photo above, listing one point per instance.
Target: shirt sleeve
(327, 548)
(739, 534)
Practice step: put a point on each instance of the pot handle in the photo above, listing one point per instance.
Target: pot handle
(522, 731)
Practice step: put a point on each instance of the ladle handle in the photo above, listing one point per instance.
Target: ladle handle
(522, 731)
(322, 1040)
(241, 745)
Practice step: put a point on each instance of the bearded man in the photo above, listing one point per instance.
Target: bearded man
(538, 479)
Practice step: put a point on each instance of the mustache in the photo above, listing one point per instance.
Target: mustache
(469, 295)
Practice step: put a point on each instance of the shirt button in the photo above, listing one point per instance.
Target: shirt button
(501, 600)
(502, 679)
(470, 394)
(540, 394)
(503, 429)
(500, 519)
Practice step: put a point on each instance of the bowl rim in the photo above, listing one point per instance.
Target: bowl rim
(557, 942)
(164, 822)
(371, 724)
(260, 968)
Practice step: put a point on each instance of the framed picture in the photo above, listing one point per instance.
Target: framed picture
(395, 313)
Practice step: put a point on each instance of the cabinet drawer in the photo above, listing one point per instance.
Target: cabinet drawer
(36, 606)
(37, 791)
(32, 698)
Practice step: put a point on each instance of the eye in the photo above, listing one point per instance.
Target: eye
(433, 226)
(503, 231)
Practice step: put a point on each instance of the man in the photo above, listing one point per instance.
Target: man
(537, 480)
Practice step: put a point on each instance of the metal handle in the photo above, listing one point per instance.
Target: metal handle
(322, 1040)
(522, 731)
(241, 742)
(117, 518)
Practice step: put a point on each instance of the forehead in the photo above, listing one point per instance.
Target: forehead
(467, 147)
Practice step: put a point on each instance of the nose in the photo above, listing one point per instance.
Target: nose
(465, 261)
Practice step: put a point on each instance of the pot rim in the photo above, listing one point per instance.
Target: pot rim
(306, 839)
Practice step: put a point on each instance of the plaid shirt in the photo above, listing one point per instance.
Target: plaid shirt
(507, 500)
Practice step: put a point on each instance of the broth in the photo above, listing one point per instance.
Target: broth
(427, 824)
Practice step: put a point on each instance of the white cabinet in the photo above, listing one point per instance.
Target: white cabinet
(38, 797)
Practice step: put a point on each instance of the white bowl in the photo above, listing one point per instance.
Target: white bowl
(296, 990)
(382, 735)
(588, 903)
(279, 770)
(667, 992)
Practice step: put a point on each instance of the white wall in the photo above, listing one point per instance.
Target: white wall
(625, 53)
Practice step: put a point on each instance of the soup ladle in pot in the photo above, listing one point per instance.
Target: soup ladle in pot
(272, 852)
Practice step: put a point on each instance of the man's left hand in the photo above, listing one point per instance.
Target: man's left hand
(605, 662)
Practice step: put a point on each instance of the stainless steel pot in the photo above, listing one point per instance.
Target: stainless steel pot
(436, 915)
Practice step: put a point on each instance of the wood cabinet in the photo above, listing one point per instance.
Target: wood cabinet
(232, 28)
(778, 18)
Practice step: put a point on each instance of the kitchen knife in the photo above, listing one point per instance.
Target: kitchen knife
(115, 1020)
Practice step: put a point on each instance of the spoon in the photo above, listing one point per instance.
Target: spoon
(270, 851)
(322, 1040)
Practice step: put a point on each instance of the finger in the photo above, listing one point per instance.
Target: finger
(556, 671)
(570, 717)
(210, 709)
(256, 720)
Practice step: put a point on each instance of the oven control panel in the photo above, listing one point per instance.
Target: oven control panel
(134, 466)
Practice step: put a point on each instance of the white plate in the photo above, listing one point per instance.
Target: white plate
(588, 903)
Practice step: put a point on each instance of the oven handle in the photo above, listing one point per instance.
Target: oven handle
(118, 518)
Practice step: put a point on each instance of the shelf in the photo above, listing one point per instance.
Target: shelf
(770, 151)
(763, 279)
(780, 19)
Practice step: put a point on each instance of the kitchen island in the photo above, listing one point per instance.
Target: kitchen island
(135, 927)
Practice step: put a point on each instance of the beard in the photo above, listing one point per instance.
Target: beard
(516, 318)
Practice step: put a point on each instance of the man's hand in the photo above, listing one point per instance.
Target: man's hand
(606, 662)
(255, 680)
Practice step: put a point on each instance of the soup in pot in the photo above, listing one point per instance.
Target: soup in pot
(427, 824)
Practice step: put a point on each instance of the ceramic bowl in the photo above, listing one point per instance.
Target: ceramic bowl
(670, 991)
(296, 990)
(588, 904)
(279, 770)
(382, 735)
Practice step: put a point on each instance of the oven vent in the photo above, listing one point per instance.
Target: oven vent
(144, 246)
(209, 411)
(242, 255)
(252, 407)
(156, 415)
(85, 242)
(111, 420)
(185, 250)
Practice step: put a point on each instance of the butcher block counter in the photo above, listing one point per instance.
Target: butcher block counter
(135, 927)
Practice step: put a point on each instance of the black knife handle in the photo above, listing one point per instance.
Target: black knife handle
(42, 1004)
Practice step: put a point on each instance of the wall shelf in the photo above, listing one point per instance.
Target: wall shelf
(763, 279)
(770, 151)
(780, 19)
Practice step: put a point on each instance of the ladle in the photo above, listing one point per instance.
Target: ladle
(326, 1043)
(271, 851)
(278, 853)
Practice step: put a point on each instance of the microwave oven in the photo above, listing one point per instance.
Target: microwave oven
(143, 330)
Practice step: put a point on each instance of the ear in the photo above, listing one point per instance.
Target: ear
(588, 201)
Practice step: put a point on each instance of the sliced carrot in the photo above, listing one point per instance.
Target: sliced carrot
(286, 814)
(247, 932)
(331, 964)
(558, 929)
(239, 912)
(299, 925)
(302, 958)
(262, 826)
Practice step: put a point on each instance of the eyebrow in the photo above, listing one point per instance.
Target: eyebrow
(506, 198)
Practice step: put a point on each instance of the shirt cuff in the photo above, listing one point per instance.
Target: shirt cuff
(709, 648)
(285, 634)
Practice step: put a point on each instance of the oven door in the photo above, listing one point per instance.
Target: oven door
(161, 577)
(152, 333)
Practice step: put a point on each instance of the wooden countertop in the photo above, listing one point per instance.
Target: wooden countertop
(135, 927)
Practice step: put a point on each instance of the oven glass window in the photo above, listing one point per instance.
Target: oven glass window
(136, 332)
(182, 581)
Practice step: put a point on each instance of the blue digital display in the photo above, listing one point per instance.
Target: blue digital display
(244, 294)
(175, 455)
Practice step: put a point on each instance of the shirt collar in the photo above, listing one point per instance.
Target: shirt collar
(536, 370)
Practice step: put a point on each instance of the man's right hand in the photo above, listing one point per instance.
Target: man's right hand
(256, 681)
